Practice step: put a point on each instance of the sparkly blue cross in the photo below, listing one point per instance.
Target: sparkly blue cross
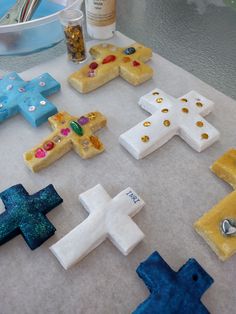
(26, 214)
(27, 98)
(173, 292)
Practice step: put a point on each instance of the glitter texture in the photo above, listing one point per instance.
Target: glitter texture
(26, 214)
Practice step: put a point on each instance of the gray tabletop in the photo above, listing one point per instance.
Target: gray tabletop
(197, 35)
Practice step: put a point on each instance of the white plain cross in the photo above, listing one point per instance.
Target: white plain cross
(171, 116)
(108, 218)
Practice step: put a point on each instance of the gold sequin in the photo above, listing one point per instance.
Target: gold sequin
(185, 110)
(147, 123)
(155, 93)
(199, 124)
(145, 138)
(166, 123)
(184, 100)
(165, 110)
(205, 136)
(159, 100)
(92, 116)
(199, 104)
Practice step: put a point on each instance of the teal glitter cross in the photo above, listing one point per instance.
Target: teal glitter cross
(26, 214)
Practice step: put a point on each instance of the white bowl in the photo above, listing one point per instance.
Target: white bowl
(34, 35)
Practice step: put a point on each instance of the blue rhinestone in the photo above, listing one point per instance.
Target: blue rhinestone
(129, 51)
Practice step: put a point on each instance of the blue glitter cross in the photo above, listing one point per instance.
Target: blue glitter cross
(27, 98)
(26, 214)
(173, 292)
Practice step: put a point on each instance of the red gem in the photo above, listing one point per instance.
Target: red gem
(40, 153)
(48, 145)
(93, 65)
(136, 63)
(108, 59)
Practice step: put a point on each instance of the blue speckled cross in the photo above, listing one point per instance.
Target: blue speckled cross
(173, 292)
(27, 98)
(26, 214)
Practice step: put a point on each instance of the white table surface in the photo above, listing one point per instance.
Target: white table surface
(175, 182)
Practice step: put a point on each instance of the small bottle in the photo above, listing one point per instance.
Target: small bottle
(101, 18)
(72, 21)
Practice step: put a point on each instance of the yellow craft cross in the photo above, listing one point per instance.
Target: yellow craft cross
(110, 62)
(69, 133)
(218, 226)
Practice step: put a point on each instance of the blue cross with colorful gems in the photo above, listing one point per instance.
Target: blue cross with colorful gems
(173, 292)
(26, 214)
(27, 98)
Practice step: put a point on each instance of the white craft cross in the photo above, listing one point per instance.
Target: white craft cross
(108, 218)
(171, 116)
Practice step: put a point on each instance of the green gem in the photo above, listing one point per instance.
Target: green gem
(77, 128)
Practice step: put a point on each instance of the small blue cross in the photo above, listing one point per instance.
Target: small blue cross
(26, 214)
(27, 98)
(173, 292)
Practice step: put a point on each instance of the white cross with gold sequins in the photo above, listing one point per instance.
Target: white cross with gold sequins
(171, 116)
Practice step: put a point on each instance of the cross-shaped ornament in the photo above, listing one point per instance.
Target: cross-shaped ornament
(27, 98)
(110, 62)
(70, 132)
(108, 218)
(173, 292)
(26, 214)
(169, 117)
(218, 226)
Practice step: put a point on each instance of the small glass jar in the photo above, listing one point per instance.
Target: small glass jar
(72, 21)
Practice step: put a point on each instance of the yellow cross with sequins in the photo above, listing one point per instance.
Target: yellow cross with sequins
(70, 132)
(111, 62)
(218, 226)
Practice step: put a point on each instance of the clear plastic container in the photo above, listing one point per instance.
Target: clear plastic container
(72, 22)
(34, 35)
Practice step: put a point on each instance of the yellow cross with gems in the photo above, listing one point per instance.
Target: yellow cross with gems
(218, 226)
(110, 62)
(70, 132)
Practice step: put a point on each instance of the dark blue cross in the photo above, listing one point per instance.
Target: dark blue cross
(27, 98)
(26, 214)
(173, 292)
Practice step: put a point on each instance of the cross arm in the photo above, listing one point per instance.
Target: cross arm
(80, 241)
(94, 198)
(197, 102)
(124, 233)
(36, 229)
(149, 135)
(10, 79)
(45, 84)
(36, 109)
(46, 199)
(194, 278)
(8, 227)
(155, 271)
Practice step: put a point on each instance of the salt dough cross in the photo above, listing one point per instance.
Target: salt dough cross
(218, 226)
(169, 117)
(111, 62)
(70, 132)
(173, 292)
(108, 218)
(26, 214)
(27, 98)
